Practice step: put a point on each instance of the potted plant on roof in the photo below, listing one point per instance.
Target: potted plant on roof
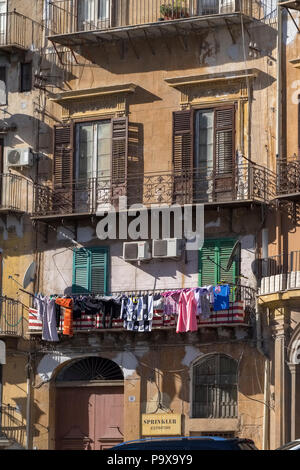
(175, 10)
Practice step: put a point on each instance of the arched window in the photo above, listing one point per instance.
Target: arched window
(90, 368)
(215, 387)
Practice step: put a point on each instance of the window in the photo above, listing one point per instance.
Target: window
(93, 158)
(90, 164)
(3, 90)
(204, 154)
(215, 387)
(93, 14)
(26, 77)
(90, 271)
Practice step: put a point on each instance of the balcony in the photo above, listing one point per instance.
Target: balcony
(292, 4)
(240, 313)
(16, 194)
(288, 179)
(279, 273)
(77, 22)
(12, 427)
(19, 33)
(11, 318)
(248, 183)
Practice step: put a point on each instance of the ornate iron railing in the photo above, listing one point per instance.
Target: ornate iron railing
(70, 16)
(11, 317)
(288, 176)
(17, 30)
(12, 426)
(16, 193)
(247, 182)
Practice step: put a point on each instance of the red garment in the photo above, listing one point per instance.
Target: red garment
(187, 320)
(68, 318)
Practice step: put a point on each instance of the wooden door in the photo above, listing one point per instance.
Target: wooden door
(89, 418)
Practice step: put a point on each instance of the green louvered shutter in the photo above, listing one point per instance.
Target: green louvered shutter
(80, 272)
(225, 249)
(208, 271)
(98, 270)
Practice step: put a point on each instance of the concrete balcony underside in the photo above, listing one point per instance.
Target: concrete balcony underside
(159, 29)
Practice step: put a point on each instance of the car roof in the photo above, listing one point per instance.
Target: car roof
(181, 438)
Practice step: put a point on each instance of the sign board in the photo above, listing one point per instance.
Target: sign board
(161, 425)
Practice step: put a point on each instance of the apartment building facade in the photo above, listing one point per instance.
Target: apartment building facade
(150, 103)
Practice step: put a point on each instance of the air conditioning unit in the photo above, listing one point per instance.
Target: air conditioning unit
(136, 251)
(19, 157)
(167, 248)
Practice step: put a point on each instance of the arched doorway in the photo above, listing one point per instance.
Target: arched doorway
(89, 405)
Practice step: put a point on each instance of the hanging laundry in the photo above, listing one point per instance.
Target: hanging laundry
(137, 313)
(47, 314)
(111, 308)
(158, 305)
(221, 297)
(67, 303)
(187, 320)
(204, 307)
(171, 305)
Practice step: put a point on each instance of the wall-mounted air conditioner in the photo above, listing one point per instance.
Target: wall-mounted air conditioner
(19, 157)
(167, 248)
(136, 251)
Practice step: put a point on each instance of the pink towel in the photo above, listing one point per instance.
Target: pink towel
(187, 320)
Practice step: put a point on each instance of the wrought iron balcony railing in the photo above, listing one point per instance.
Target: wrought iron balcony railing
(279, 273)
(12, 426)
(19, 32)
(288, 178)
(16, 193)
(11, 317)
(247, 182)
(74, 16)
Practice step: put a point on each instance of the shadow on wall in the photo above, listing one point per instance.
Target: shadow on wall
(198, 48)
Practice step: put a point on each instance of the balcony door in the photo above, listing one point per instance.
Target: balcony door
(214, 170)
(215, 7)
(3, 22)
(93, 14)
(93, 165)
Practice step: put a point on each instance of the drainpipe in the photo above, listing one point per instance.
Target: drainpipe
(259, 346)
(28, 404)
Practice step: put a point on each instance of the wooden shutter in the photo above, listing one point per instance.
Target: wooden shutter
(208, 270)
(80, 271)
(119, 158)
(211, 272)
(224, 165)
(98, 270)
(63, 169)
(280, 156)
(90, 270)
(183, 136)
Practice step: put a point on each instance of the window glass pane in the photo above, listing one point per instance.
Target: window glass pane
(103, 9)
(86, 151)
(104, 149)
(204, 139)
(3, 91)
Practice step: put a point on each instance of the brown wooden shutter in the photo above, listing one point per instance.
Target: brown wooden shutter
(119, 158)
(63, 169)
(224, 174)
(183, 137)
